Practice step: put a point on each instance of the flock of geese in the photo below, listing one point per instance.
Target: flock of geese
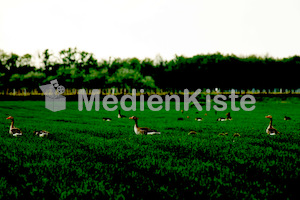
(144, 130)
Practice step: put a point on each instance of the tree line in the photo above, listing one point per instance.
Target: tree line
(80, 69)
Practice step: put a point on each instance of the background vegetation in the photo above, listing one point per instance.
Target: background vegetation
(80, 69)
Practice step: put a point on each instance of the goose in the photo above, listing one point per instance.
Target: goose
(143, 130)
(106, 119)
(228, 116)
(12, 129)
(271, 130)
(121, 116)
(42, 133)
(287, 118)
(222, 119)
(199, 119)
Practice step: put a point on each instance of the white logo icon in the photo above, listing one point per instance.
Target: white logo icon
(54, 101)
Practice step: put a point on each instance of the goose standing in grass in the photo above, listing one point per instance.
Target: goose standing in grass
(271, 130)
(42, 133)
(106, 119)
(12, 129)
(228, 116)
(120, 115)
(142, 130)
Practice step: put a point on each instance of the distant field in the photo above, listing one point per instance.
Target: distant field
(86, 156)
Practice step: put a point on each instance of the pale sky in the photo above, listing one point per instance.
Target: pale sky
(145, 28)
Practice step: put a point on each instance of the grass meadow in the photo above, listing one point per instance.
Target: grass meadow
(87, 157)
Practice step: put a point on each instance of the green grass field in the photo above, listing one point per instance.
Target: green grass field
(88, 157)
